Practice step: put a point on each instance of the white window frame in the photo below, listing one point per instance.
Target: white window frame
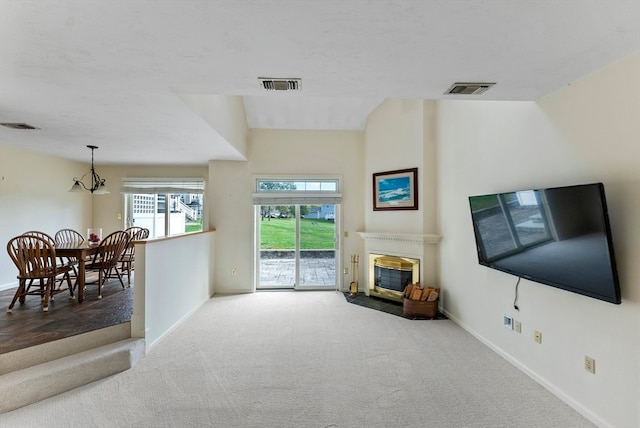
(161, 186)
(298, 196)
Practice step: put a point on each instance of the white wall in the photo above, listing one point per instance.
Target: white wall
(227, 118)
(34, 195)
(172, 280)
(429, 174)
(280, 152)
(586, 132)
(395, 140)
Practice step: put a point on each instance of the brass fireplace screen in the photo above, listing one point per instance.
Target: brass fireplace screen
(391, 274)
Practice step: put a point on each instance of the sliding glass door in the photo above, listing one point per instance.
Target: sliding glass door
(317, 243)
(277, 232)
(297, 247)
(297, 230)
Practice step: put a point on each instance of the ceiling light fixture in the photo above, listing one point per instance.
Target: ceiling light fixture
(98, 186)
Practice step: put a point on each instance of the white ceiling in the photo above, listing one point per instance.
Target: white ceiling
(109, 73)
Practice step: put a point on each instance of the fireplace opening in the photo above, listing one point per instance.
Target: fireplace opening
(391, 274)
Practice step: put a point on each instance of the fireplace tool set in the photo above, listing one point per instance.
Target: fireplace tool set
(353, 287)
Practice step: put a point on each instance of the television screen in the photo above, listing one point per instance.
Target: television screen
(558, 236)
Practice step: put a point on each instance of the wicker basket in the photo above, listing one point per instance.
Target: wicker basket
(418, 308)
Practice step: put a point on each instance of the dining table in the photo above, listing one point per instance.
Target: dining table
(79, 250)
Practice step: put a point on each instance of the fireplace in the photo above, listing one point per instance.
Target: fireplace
(391, 274)
(401, 258)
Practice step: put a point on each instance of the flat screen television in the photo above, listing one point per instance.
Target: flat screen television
(558, 236)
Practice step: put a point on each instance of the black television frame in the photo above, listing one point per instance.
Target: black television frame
(512, 261)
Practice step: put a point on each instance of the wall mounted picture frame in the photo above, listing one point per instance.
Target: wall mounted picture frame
(395, 190)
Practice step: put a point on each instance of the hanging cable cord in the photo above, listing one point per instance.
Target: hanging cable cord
(515, 301)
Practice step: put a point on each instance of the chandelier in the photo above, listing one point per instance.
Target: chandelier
(98, 186)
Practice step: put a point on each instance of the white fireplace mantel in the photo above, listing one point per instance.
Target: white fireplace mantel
(401, 237)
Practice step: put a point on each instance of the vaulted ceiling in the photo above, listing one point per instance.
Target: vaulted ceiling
(114, 73)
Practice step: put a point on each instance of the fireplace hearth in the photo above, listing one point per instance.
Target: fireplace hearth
(387, 306)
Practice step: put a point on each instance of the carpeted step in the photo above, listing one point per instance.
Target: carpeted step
(49, 351)
(32, 384)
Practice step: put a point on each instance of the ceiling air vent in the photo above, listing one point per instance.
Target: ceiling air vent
(462, 88)
(18, 126)
(270, 84)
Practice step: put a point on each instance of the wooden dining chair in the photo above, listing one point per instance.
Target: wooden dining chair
(62, 261)
(35, 258)
(41, 235)
(128, 257)
(69, 235)
(50, 239)
(106, 257)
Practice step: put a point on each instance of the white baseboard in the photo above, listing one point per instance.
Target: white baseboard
(9, 286)
(175, 325)
(232, 291)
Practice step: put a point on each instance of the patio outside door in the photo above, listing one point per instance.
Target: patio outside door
(297, 247)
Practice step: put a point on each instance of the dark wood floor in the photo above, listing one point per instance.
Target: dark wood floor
(28, 325)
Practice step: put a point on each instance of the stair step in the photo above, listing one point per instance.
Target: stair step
(34, 355)
(35, 383)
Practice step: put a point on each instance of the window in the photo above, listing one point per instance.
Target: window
(296, 191)
(325, 185)
(164, 206)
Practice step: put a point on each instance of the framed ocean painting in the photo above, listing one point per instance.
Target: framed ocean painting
(395, 190)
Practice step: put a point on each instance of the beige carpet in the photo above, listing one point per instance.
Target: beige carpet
(308, 359)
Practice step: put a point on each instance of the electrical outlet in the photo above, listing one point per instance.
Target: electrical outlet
(537, 336)
(233, 272)
(507, 322)
(589, 364)
(346, 234)
(345, 271)
(517, 326)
